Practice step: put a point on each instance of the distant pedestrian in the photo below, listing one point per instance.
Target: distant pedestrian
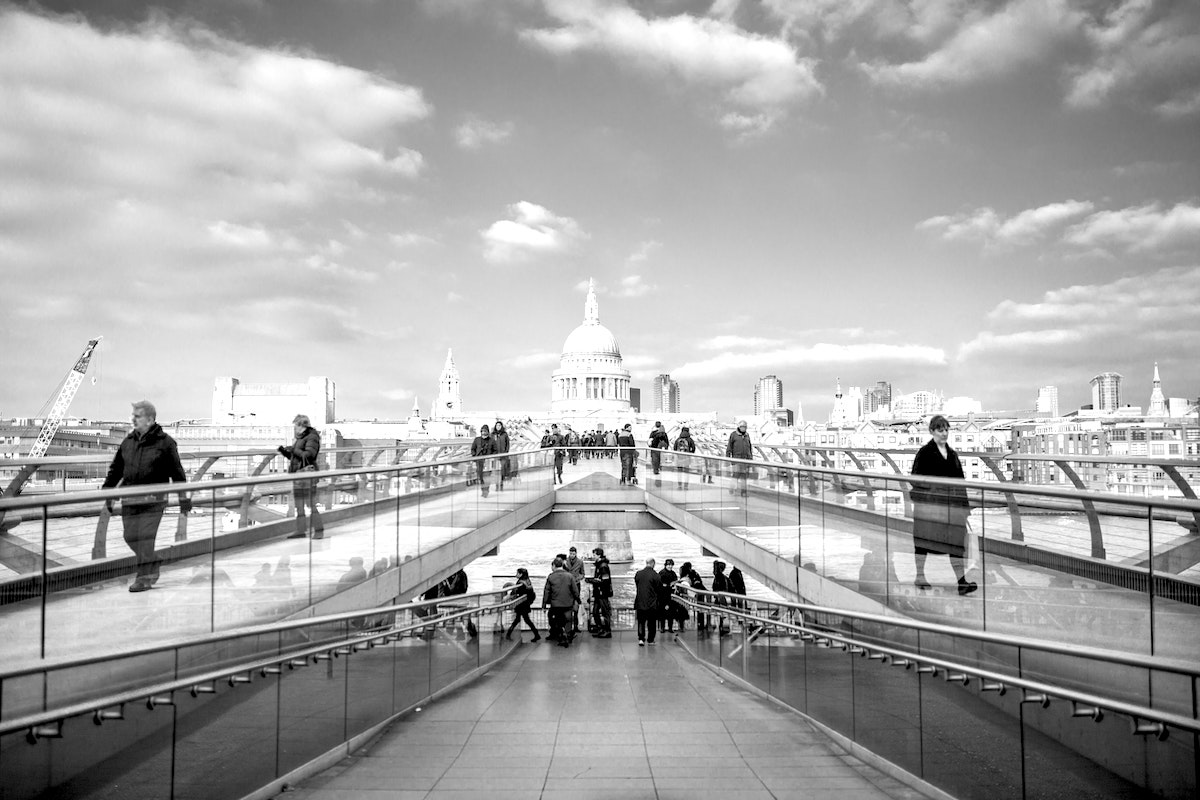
(524, 590)
(558, 442)
(602, 592)
(668, 609)
(737, 585)
(684, 446)
(356, 574)
(302, 457)
(695, 582)
(610, 441)
(146, 456)
(628, 451)
(559, 596)
(645, 601)
(940, 512)
(658, 443)
(500, 445)
(482, 445)
(720, 583)
(739, 447)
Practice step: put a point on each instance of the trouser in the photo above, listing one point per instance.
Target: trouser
(656, 460)
(559, 623)
(558, 465)
(140, 525)
(305, 499)
(479, 473)
(645, 619)
(602, 613)
(518, 618)
(666, 617)
(628, 466)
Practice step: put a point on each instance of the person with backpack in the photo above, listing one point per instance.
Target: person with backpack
(524, 590)
(628, 452)
(686, 445)
(658, 443)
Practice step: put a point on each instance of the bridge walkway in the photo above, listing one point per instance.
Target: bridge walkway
(603, 719)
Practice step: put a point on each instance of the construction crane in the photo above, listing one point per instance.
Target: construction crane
(63, 402)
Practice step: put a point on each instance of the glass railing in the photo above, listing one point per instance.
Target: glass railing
(1065, 564)
(977, 715)
(230, 715)
(230, 561)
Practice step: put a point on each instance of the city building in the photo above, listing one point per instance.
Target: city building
(273, 404)
(961, 406)
(1158, 403)
(1106, 392)
(878, 398)
(449, 400)
(916, 405)
(1047, 401)
(841, 415)
(666, 395)
(768, 394)
(635, 399)
(590, 379)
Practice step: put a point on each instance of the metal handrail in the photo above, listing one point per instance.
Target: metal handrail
(95, 706)
(1035, 691)
(1190, 506)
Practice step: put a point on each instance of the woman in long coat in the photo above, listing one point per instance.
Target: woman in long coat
(500, 446)
(940, 512)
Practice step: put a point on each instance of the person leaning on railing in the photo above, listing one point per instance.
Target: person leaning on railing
(146, 456)
(940, 512)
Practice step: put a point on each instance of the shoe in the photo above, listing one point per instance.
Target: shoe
(641, 642)
(966, 587)
(508, 636)
(622, 481)
(297, 536)
(319, 535)
(921, 583)
(139, 586)
(651, 642)
(537, 638)
(564, 644)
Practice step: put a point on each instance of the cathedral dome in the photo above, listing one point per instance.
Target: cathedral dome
(591, 339)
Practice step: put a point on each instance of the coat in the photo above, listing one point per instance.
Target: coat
(303, 452)
(561, 590)
(646, 583)
(601, 579)
(685, 444)
(482, 446)
(524, 590)
(939, 512)
(658, 439)
(142, 459)
(666, 587)
(739, 446)
(500, 442)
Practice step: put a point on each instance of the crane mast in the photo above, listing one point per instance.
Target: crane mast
(63, 402)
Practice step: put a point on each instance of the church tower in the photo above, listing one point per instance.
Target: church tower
(449, 401)
(1158, 403)
(840, 416)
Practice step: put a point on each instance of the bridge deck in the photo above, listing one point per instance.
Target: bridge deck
(603, 719)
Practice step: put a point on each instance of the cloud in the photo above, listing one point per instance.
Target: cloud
(1141, 229)
(535, 360)
(533, 230)
(410, 239)
(475, 133)
(987, 227)
(756, 79)
(633, 286)
(758, 355)
(644, 251)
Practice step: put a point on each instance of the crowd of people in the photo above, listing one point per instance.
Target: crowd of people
(656, 599)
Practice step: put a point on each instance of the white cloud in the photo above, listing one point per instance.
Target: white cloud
(475, 133)
(644, 251)
(535, 360)
(533, 230)
(634, 286)
(987, 227)
(774, 356)
(1121, 319)
(410, 239)
(1141, 229)
(757, 78)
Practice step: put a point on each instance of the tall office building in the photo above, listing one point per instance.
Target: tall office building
(1106, 392)
(666, 395)
(1047, 401)
(768, 394)
(877, 397)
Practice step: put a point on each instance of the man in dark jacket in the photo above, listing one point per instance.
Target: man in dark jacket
(302, 457)
(684, 444)
(628, 451)
(146, 456)
(560, 596)
(602, 593)
(645, 601)
(482, 446)
(658, 442)
(739, 447)
(574, 566)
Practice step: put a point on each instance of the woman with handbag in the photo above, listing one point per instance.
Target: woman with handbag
(302, 457)
(524, 590)
(940, 512)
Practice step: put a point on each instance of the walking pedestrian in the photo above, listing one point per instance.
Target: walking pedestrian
(146, 456)
(523, 589)
(602, 592)
(940, 512)
(500, 446)
(685, 445)
(628, 449)
(482, 446)
(658, 443)
(739, 447)
(720, 583)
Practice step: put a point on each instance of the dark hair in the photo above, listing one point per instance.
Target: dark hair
(938, 422)
(557, 563)
(684, 569)
(522, 572)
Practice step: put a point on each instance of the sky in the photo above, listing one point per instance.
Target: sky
(972, 197)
